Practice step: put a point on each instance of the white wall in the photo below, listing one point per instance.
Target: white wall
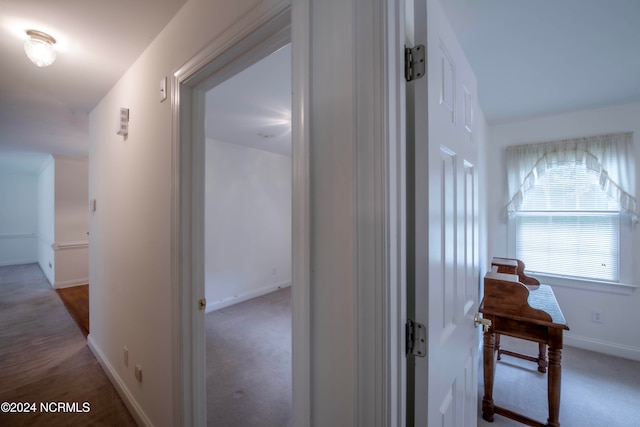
(71, 221)
(46, 216)
(247, 223)
(18, 218)
(130, 178)
(62, 221)
(130, 253)
(618, 334)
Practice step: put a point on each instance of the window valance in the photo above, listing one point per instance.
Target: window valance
(610, 156)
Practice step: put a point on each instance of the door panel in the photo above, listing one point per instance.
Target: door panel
(444, 225)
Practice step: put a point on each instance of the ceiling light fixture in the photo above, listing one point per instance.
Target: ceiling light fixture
(39, 48)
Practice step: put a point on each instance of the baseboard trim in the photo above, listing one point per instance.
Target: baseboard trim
(71, 283)
(237, 299)
(65, 246)
(19, 236)
(17, 262)
(134, 408)
(604, 347)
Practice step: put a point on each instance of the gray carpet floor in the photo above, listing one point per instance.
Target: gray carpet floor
(249, 363)
(249, 375)
(44, 358)
(596, 390)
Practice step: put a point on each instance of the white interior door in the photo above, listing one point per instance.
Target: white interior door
(445, 221)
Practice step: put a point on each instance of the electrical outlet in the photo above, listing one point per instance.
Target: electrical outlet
(138, 373)
(596, 316)
(126, 356)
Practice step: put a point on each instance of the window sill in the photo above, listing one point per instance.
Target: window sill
(585, 284)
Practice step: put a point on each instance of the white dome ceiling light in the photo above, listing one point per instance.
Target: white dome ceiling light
(39, 47)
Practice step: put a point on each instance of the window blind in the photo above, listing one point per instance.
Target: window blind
(569, 226)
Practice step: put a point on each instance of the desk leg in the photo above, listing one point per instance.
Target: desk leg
(553, 386)
(489, 363)
(542, 357)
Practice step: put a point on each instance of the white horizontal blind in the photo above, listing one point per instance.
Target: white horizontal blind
(568, 226)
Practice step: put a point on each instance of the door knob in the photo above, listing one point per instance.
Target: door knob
(486, 323)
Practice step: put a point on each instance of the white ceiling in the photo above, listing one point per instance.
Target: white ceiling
(253, 108)
(530, 57)
(537, 57)
(46, 109)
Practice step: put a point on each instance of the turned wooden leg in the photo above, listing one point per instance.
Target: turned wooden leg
(553, 386)
(488, 354)
(542, 357)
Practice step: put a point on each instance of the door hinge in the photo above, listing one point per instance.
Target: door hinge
(414, 62)
(202, 303)
(416, 338)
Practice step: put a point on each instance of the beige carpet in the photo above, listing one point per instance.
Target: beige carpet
(44, 358)
(596, 390)
(249, 363)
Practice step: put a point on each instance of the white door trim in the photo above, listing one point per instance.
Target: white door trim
(301, 215)
(380, 167)
(261, 29)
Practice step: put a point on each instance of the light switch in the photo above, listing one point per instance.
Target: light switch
(123, 123)
(163, 89)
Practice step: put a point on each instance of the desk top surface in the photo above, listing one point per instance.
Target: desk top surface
(544, 299)
(506, 297)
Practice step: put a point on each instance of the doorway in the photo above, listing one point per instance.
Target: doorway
(252, 38)
(247, 245)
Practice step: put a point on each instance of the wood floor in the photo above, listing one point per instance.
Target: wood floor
(44, 358)
(76, 300)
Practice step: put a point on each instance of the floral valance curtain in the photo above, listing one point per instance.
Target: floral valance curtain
(610, 156)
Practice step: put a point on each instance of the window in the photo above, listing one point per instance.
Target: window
(567, 225)
(571, 207)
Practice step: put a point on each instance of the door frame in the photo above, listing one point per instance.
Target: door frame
(257, 34)
(380, 182)
(377, 39)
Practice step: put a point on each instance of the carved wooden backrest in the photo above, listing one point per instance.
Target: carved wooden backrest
(503, 293)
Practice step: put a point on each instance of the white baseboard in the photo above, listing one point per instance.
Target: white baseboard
(237, 299)
(17, 262)
(134, 408)
(600, 346)
(71, 283)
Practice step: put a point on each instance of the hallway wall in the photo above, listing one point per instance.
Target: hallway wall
(71, 223)
(346, 293)
(18, 218)
(46, 220)
(130, 178)
(63, 221)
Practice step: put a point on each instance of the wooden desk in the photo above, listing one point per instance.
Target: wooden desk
(516, 266)
(532, 315)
